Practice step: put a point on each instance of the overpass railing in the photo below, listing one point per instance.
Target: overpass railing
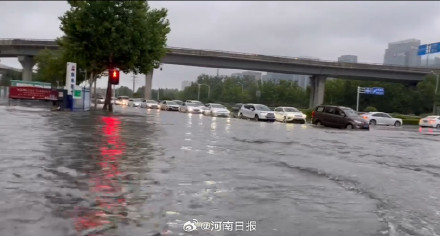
(304, 61)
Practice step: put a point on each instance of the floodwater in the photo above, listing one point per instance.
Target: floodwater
(148, 172)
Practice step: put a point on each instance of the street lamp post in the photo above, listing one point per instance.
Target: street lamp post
(435, 92)
(198, 91)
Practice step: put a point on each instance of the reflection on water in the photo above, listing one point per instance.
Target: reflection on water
(109, 207)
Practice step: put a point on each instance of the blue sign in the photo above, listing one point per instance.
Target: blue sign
(378, 91)
(422, 50)
(428, 48)
(368, 91)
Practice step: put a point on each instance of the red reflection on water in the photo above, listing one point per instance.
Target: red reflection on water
(110, 205)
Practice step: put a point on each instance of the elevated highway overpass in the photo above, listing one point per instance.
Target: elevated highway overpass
(26, 49)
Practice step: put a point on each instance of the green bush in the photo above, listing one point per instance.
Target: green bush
(410, 121)
(308, 113)
(370, 109)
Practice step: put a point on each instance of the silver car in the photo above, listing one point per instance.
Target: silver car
(134, 102)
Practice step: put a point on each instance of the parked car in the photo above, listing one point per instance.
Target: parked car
(289, 114)
(198, 103)
(134, 102)
(215, 109)
(150, 104)
(256, 112)
(122, 100)
(100, 100)
(180, 103)
(381, 118)
(169, 105)
(190, 107)
(338, 117)
(430, 121)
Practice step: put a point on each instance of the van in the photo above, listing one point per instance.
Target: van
(338, 117)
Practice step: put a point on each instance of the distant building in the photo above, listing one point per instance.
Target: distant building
(348, 58)
(186, 83)
(403, 53)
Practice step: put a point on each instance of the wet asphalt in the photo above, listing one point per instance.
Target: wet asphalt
(148, 172)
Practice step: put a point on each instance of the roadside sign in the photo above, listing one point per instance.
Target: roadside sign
(378, 91)
(367, 90)
(70, 77)
(422, 50)
(428, 48)
(77, 94)
(36, 84)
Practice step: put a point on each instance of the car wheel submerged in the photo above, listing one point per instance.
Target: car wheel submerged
(349, 126)
(240, 115)
(438, 126)
(397, 124)
(372, 122)
(256, 118)
(318, 123)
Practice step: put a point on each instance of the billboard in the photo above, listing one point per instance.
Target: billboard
(34, 93)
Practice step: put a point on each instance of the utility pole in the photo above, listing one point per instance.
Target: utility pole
(434, 110)
(134, 77)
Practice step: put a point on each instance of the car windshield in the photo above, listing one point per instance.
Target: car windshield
(217, 106)
(262, 108)
(190, 104)
(137, 100)
(171, 103)
(350, 112)
(198, 104)
(151, 101)
(291, 109)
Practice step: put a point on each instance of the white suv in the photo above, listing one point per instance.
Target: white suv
(256, 112)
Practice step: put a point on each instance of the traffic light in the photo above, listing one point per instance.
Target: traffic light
(113, 76)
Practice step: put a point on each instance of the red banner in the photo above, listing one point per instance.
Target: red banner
(34, 93)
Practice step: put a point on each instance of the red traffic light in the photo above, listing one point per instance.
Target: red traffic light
(113, 75)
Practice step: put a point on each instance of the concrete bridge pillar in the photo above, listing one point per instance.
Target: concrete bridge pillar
(317, 88)
(148, 84)
(28, 63)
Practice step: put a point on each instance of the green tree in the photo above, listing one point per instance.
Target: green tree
(51, 67)
(115, 34)
(124, 91)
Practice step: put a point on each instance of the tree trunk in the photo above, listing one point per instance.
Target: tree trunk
(108, 97)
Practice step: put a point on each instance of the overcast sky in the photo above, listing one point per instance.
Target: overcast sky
(323, 30)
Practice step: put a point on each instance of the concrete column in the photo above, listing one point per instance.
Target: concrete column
(317, 88)
(148, 84)
(28, 63)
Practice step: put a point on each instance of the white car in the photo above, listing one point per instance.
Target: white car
(169, 105)
(430, 121)
(190, 108)
(289, 114)
(134, 102)
(215, 109)
(198, 103)
(100, 100)
(122, 100)
(150, 104)
(381, 118)
(256, 112)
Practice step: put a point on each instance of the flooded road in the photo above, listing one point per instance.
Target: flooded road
(148, 172)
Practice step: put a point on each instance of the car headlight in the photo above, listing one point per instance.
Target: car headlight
(358, 122)
(190, 109)
(263, 113)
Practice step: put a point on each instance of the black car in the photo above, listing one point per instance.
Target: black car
(338, 117)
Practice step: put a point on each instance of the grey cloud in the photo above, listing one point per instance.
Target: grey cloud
(323, 30)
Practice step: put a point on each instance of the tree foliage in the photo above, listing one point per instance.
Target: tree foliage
(123, 34)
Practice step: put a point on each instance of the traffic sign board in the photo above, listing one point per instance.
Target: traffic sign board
(378, 91)
(428, 48)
